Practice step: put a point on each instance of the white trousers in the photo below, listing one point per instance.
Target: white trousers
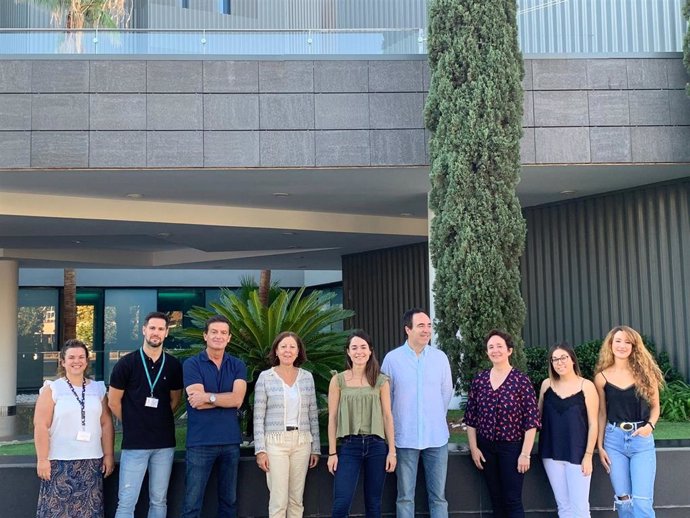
(570, 488)
(288, 462)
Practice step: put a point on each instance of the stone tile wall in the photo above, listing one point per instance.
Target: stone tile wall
(605, 111)
(110, 113)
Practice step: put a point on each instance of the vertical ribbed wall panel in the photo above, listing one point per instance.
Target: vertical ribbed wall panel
(622, 258)
(287, 14)
(15, 14)
(601, 26)
(380, 285)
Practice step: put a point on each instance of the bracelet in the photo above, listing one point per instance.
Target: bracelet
(589, 453)
(392, 453)
(652, 425)
(525, 455)
(331, 454)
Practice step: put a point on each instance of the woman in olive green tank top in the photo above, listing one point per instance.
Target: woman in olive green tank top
(360, 416)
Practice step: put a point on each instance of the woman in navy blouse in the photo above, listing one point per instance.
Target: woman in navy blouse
(502, 418)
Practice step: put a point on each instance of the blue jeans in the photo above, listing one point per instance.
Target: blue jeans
(503, 480)
(633, 468)
(357, 452)
(133, 466)
(200, 462)
(435, 461)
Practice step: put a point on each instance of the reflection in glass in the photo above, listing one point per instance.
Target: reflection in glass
(124, 314)
(36, 336)
(176, 303)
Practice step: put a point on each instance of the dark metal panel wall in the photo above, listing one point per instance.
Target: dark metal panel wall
(380, 285)
(622, 258)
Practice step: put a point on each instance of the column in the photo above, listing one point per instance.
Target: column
(9, 277)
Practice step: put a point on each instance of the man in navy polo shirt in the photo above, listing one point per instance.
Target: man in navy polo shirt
(216, 383)
(145, 390)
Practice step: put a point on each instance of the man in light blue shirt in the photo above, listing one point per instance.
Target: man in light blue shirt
(421, 388)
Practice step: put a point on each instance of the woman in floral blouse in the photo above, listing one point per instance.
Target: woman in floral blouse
(502, 418)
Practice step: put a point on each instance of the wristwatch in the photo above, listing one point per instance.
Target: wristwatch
(212, 399)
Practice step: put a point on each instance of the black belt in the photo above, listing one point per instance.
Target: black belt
(291, 428)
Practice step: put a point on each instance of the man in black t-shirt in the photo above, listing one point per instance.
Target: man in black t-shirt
(145, 389)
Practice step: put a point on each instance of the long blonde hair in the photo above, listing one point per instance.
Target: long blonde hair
(647, 374)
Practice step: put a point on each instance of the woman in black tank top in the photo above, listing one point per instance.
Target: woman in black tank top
(628, 381)
(568, 405)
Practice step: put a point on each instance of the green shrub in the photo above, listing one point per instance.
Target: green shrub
(536, 366)
(675, 401)
(675, 398)
(587, 356)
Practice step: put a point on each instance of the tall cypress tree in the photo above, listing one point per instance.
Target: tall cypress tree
(474, 111)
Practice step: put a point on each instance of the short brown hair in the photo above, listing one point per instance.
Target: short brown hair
(301, 353)
(506, 337)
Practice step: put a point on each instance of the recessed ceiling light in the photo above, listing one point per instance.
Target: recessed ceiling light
(405, 214)
(280, 194)
(288, 233)
(76, 242)
(163, 234)
(134, 195)
(568, 192)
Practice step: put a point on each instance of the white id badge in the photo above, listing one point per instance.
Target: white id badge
(83, 436)
(152, 402)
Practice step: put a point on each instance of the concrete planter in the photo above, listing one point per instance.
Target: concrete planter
(467, 496)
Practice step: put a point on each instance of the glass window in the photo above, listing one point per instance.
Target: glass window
(123, 319)
(37, 328)
(336, 301)
(212, 295)
(176, 303)
(90, 327)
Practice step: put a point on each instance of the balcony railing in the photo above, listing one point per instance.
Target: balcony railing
(213, 42)
(611, 27)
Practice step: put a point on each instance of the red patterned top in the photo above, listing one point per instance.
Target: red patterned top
(504, 414)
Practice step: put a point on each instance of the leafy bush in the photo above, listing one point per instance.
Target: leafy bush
(536, 367)
(587, 356)
(675, 401)
(675, 398)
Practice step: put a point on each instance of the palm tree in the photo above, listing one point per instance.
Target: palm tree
(254, 327)
(264, 286)
(69, 305)
(80, 14)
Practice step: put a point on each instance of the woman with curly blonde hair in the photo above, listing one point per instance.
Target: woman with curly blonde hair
(628, 381)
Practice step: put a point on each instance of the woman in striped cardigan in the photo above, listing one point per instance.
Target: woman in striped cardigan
(286, 426)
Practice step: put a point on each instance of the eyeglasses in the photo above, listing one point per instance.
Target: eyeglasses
(560, 359)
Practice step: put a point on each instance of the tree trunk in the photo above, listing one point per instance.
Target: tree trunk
(69, 305)
(264, 286)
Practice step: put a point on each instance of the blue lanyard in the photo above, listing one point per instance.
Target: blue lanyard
(146, 370)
